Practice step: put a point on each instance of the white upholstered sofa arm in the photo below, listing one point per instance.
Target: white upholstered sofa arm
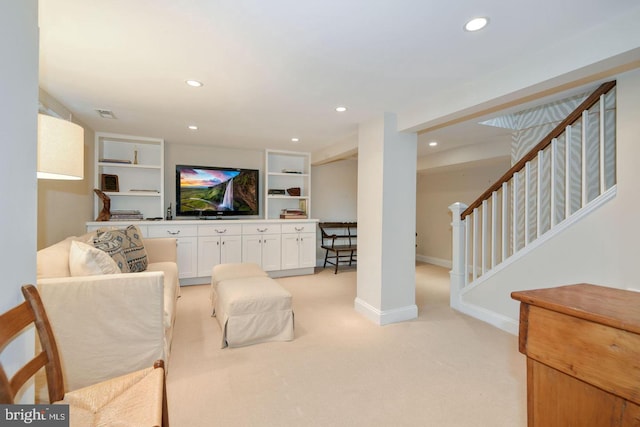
(105, 325)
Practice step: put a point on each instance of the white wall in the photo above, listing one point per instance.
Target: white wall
(18, 133)
(602, 248)
(334, 191)
(436, 191)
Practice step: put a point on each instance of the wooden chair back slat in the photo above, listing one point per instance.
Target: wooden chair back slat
(12, 324)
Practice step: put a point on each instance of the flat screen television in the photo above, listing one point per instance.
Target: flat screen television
(209, 191)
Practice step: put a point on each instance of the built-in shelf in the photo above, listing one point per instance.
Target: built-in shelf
(277, 163)
(145, 172)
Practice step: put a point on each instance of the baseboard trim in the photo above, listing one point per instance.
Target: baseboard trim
(385, 317)
(446, 263)
(498, 320)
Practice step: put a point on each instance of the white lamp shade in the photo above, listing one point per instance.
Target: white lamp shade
(60, 149)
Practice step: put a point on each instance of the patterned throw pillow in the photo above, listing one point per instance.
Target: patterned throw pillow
(130, 239)
(114, 248)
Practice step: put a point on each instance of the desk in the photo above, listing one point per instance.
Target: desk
(582, 344)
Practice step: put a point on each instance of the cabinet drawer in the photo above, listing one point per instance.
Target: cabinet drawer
(176, 230)
(219, 230)
(265, 228)
(299, 227)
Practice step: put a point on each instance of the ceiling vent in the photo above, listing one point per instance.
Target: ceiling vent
(105, 114)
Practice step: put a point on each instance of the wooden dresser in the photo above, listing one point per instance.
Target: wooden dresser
(582, 344)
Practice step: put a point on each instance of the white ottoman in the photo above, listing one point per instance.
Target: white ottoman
(250, 308)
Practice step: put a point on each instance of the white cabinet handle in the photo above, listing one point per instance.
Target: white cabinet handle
(299, 228)
(173, 233)
(262, 230)
(221, 231)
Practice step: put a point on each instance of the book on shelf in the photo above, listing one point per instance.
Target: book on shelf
(126, 215)
(293, 214)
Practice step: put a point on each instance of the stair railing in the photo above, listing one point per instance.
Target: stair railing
(549, 184)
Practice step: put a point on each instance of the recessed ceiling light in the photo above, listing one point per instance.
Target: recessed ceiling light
(476, 24)
(193, 127)
(295, 139)
(433, 144)
(341, 109)
(194, 83)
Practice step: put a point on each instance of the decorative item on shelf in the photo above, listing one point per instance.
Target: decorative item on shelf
(293, 191)
(302, 205)
(126, 162)
(169, 214)
(293, 214)
(276, 192)
(291, 171)
(143, 190)
(135, 156)
(105, 213)
(109, 182)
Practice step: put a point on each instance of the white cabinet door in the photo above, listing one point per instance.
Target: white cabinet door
(230, 250)
(187, 257)
(298, 250)
(290, 251)
(307, 247)
(252, 249)
(271, 252)
(209, 250)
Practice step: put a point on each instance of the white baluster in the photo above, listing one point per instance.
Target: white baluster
(515, 212)
(602, 176)
(485, 222)
(539, 194)
(494, 227)
(583, 175)
(567, 172)
(505, 220)
(474, 269)
(527, 182)
(554, 148)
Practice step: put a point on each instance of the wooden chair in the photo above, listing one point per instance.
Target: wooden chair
(138, 397)
(339, 239)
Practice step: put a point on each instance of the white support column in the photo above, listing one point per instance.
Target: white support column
(386, 279)
(459, 252)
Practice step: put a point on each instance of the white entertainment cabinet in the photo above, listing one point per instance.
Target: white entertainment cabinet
(282, 247)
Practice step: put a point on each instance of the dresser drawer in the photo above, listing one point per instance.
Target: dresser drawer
(299, 227)
(176, 230)
(219, 230)
(259, 228)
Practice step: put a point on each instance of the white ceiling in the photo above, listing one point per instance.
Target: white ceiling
(273, 70)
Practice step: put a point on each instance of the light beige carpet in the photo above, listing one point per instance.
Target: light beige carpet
(442, 369)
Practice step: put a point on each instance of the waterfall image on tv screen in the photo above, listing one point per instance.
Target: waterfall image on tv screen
(207, 191)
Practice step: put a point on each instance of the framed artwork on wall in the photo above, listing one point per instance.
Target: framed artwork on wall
(109, 183)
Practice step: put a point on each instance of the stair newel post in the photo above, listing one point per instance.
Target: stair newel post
(459, 253)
